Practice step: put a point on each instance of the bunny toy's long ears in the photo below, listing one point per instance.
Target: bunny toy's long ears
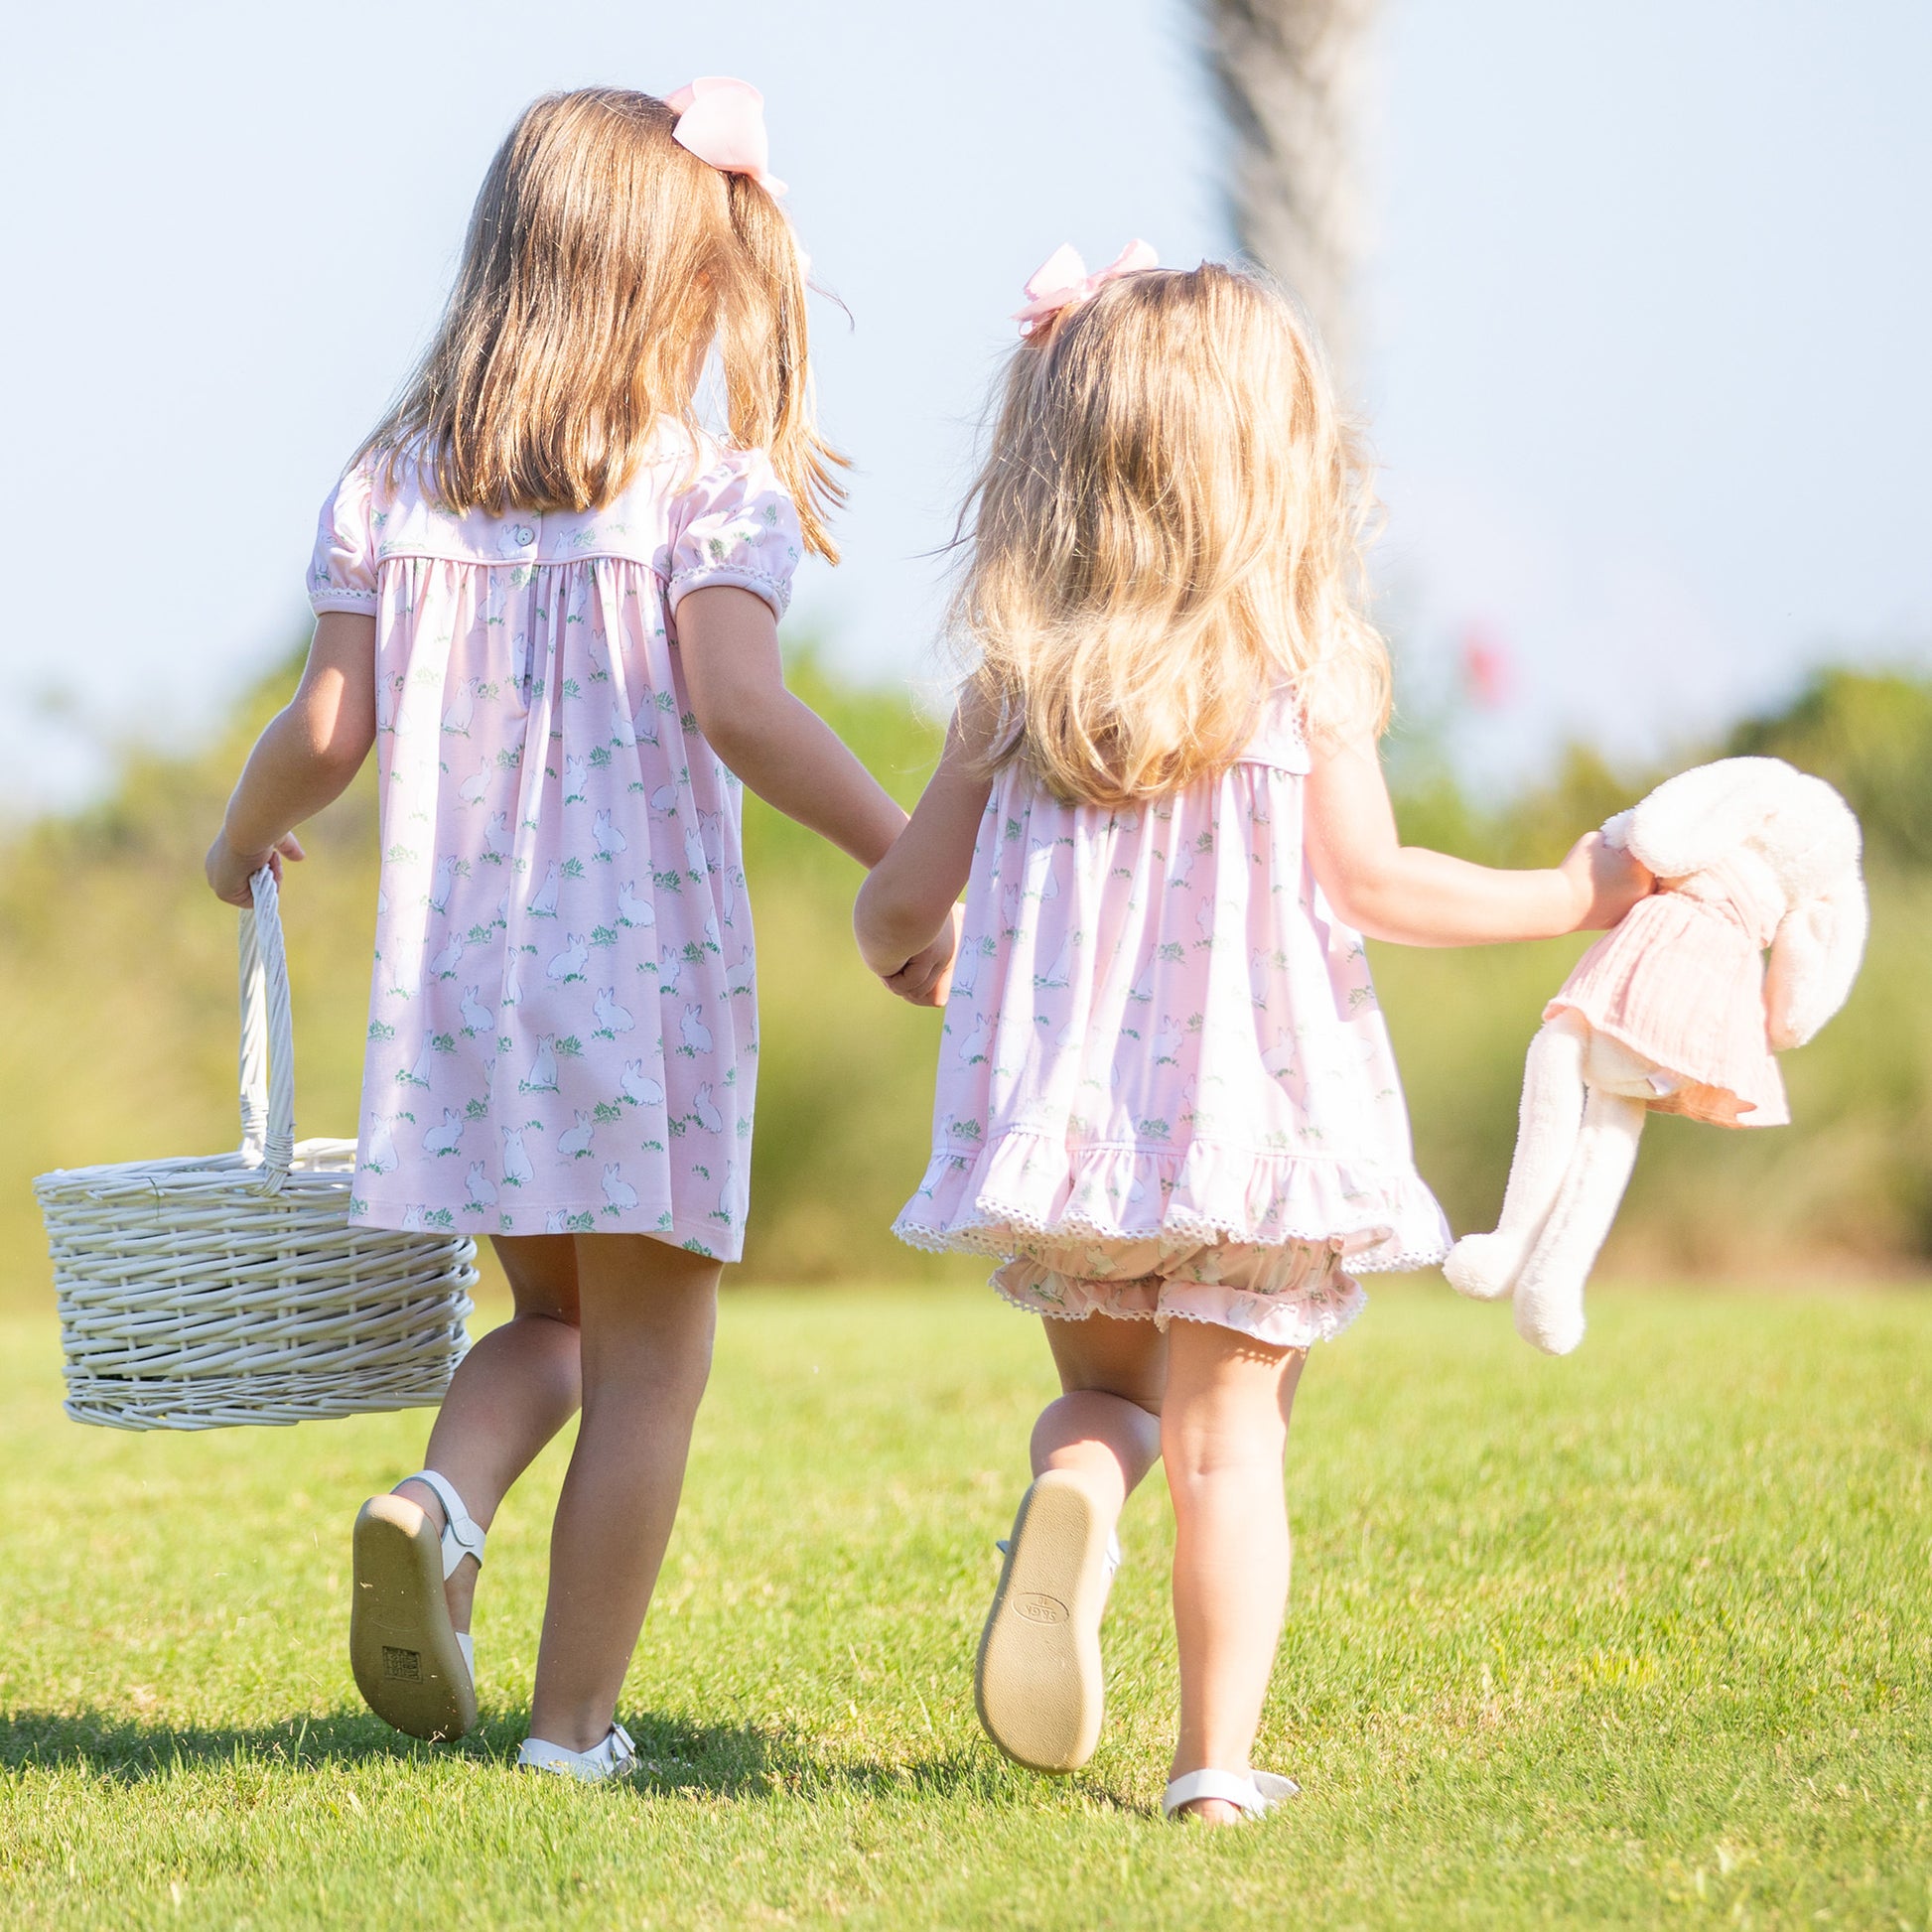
(1693, 820)
(1815, 957)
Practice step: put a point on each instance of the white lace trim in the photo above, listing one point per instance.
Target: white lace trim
(744, 577)
(984, 1238)
(1205, 1195)
(1307, 1322)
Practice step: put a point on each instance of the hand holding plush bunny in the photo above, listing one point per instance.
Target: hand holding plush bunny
(1674, 1010)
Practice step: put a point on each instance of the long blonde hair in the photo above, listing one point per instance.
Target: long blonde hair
(602, 263)
(1167, 529)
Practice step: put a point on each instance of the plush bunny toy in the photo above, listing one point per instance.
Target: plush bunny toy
(1673, 1008)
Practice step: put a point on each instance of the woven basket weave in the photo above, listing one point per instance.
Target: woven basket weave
(201, 1293)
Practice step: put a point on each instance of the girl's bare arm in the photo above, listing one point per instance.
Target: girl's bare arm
(782, 748)
(905, 908)
(786, 754)
(304, 759)
(1419, 898)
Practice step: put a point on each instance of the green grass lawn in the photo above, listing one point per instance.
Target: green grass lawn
(1641, 1637)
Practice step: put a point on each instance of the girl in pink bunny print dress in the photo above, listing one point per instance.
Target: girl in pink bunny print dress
(563, 1024)
(1166, 1107)
(548, 597)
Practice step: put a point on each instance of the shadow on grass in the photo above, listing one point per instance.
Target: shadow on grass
(733, 1761)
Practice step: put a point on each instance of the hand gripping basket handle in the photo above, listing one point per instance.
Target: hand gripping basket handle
(268, 1038)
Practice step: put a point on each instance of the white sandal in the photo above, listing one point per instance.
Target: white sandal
(414, 1668)
(1256, 1794)
(616, 1757)
(1038, 1682)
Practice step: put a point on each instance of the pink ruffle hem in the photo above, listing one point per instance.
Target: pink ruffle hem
(1234, 1215)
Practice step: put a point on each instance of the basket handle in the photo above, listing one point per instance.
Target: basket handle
(268, 1038)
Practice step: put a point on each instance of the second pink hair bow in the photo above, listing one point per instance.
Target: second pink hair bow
(721, 121)
(1062, 279)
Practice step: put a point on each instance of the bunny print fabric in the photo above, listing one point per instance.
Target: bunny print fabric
(1166, 1087)
(563, 1024)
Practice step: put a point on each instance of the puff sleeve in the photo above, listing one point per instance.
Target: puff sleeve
(735, 525)
(341, 573)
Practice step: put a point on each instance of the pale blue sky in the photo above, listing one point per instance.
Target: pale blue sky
(1647, 303)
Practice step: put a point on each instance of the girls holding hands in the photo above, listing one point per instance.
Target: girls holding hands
(1167, 1106)
(547, 596)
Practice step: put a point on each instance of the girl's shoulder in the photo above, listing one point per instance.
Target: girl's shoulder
(684, 483)
(1280, 739)
(699, 471)
(687, 474)
(733, 522)
(409, 519)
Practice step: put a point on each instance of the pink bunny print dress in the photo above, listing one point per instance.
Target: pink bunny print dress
(1165, 1088)
(563, 1023)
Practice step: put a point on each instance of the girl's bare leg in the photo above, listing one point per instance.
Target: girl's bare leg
(648, 1312)
(1039, 1679)
(509, 1396)
(1223, 1432)
(1106, 1426)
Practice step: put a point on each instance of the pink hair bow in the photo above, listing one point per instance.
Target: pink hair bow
(1062, 280)
(721, 121)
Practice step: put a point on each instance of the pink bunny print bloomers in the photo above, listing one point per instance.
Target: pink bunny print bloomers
(563, 1024)
(1165, 1088)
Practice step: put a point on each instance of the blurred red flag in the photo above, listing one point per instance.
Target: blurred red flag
(1487, 675)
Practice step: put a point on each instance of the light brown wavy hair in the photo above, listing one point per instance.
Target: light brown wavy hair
(1167, 529)
(604, 263)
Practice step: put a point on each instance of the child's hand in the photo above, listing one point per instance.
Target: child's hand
(228, 871)
(926, 978)
(1606, 880)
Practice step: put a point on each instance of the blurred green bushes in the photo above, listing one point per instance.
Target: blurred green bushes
(117, 971)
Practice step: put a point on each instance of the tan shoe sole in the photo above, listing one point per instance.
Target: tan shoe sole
(1039, 1683)
(402, 1644)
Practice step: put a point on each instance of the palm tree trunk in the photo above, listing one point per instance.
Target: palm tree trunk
(1289, 76)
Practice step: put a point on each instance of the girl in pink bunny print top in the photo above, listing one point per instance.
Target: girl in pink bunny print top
(1167, 1105)
(548, 597)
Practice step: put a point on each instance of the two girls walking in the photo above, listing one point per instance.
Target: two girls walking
(548, 590)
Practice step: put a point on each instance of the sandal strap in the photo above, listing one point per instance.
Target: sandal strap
(1004, 1544)
(1229, 1787)
(463, 1535)
(616, 1757)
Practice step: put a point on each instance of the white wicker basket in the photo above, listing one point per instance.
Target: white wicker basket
(201, 1293)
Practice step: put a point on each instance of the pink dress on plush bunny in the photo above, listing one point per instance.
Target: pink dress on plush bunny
(1672, 1010)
